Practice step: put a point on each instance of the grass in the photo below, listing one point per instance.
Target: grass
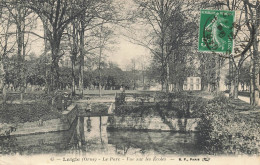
(20, 113)
(241, 93)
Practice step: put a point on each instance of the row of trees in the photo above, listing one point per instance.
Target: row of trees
(79, 29)
(168, 36)
(112, 77)
(172, 41)
(82, 30)
(243, 62)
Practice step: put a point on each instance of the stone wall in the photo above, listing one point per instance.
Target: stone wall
(153, 123)
(62, 137)
(40, 126)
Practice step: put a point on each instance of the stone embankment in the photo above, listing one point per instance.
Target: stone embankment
(61, 124)
(114, 122)
(153, 123)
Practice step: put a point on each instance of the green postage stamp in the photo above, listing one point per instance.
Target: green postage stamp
(216, 31)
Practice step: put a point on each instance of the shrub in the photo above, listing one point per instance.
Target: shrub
(171, 105)
(120, 99)
(224, 131)
(99, 108)
(136, 111)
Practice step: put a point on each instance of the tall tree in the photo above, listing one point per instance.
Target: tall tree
(169, 32)
(73, 37)
(245, 29)
(252, 14)
(6, 46)
(105, 35)
(90, 37)
(55, 16)
(24, 21)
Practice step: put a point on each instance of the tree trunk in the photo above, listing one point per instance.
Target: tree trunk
(73, 89)
(99, 84)
(252, 78)
(81, 50)
(256, 83)
(99, 60)
(2, 79)
(255, 54)
(231, 84)
(55, 68)
(2, 58)
(23, 77)
(47, 85)
(217, 74)
(256, 92)
(143, 79)
(236, 84)
(99, 74)
(167, 77)
(20, 24)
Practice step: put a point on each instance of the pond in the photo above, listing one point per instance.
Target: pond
(90, 135)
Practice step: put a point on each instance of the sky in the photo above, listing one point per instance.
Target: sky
(125, 51)
(122, 54)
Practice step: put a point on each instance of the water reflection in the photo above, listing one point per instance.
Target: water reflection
(95, 138)
(140, 142)
(43, 143)
(90, 135)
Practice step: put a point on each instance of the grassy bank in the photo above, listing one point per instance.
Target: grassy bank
(20, 113)
(223, 130)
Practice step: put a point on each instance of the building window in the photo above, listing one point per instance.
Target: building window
(191, 87)
(198, 87)
(191, 80)
(185, 86)
(197, 80)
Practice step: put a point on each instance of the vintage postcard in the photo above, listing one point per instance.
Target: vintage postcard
(129, 82)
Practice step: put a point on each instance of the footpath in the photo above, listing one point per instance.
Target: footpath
(242, 104)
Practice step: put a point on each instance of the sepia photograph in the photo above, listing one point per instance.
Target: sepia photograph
(129, 82)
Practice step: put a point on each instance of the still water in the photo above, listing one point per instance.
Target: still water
(89, 135)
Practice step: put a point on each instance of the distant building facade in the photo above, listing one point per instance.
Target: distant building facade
(192, 84)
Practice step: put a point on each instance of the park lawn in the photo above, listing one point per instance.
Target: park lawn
(21, 113)
(37, 95)
(35, 106)
(95, 92)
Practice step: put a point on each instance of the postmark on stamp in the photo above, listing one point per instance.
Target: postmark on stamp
(216, 31)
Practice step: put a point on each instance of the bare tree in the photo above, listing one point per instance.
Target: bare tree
(6, 46)
(245, 29)
(105, 39)
(166, 20)
(23, 19)
(73, 37)
(252, 15)
(95, 17)
(55, 16)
